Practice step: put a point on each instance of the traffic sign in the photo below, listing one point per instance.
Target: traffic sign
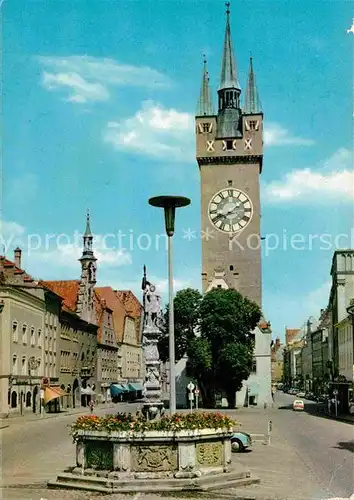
(45, 382)
(335, 392)
(196, 392)
(191, 396)
(190, 386)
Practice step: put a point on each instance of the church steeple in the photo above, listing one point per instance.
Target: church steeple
(229, 113)
(88, 276)
(205, 103)
(252, 102)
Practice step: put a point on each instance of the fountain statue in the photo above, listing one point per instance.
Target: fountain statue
(152, 324)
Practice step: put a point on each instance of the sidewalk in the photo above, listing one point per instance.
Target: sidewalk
(15, 418)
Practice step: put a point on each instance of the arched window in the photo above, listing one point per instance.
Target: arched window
(14, 365)
(28, 399)
(14, 399)
(14, 331)
(24, 334)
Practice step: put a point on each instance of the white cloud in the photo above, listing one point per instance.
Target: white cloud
(47, 257)
(333, 178)
(89, 78)
(155, 131)
(82, 90)
(277, 135)
(11, 235)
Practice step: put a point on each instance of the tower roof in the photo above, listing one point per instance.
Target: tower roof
(252, 102)
(205, 103)
(228, 79)
(88, 228)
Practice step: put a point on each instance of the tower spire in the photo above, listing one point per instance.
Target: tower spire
(88, 260)
(205, 103)
(88, 238)
(228, 78)
(252, 102)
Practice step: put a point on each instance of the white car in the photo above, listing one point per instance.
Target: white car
(298, 405)
(301, 394)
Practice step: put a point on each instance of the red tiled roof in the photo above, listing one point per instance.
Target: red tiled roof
(9, 265)
(118, 311)
(67, 289)
(131, 304)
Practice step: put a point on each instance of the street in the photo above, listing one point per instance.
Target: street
(309, 456)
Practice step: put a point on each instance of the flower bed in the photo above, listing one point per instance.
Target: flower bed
(125, 422)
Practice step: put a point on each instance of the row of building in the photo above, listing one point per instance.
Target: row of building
(66, 338)
(318, 358)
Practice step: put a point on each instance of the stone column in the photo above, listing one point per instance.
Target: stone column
(152, 404)
(121, 457)
(80, 453)
(187, 460)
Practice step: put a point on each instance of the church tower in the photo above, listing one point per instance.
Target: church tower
(229, 147)
(88, 276)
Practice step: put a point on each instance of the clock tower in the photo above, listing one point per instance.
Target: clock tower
(229, 145)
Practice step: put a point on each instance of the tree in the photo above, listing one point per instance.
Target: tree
(227, 320)
(186, 321)
(215, 331)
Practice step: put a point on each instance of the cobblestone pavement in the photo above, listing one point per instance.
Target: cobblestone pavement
(309, 457)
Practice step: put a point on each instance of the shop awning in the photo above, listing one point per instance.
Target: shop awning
(50, 394)
(59, 390)
(135, 387)
(117, 389)
(87, 391)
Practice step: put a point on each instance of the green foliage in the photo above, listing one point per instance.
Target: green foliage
(186, 315)
(220, 357)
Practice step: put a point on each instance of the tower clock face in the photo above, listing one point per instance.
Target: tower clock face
(230, 210)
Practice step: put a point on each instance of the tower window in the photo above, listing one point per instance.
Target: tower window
(231, 268)
(253, 124)
(219, 286)
(229, 144)
(206, 127)
(229, 183)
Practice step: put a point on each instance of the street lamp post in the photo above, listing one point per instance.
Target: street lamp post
(169, 204)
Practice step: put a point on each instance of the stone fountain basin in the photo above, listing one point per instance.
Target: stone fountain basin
(153, 461)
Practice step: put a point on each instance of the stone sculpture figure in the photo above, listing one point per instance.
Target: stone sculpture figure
(151, 330)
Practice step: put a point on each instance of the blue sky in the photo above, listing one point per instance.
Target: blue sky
(98, 112)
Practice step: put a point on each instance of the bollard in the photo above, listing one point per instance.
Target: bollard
(270, 427)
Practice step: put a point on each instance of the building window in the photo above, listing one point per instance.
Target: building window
(229, 144)
(14, 365)
(14, 331)
(206, 127)
(24, 334)
(219, 286)
(33, 340)
(39, 338)
(254, 365)
(253, 124)
(231, 268)
(23, 366)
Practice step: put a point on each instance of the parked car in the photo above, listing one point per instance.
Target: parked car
(310, 396)
(298, 405)
(240, 441)
(301, 394)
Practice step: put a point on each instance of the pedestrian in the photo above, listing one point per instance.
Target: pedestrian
(91, 405)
